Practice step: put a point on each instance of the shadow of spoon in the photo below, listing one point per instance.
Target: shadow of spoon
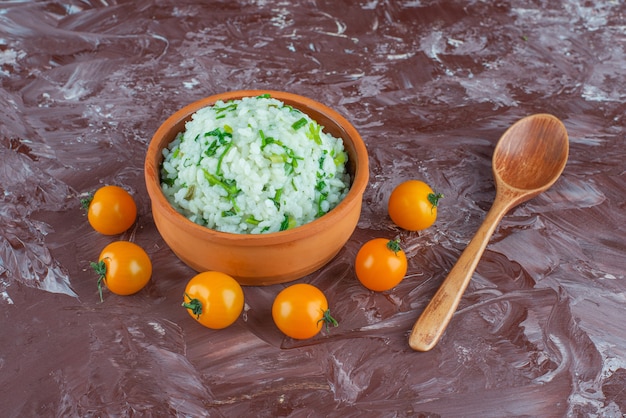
(529, 157)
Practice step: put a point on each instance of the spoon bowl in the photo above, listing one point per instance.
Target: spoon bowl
(531, 154)
(528, 159)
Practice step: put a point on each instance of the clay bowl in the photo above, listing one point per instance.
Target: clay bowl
(260, 259)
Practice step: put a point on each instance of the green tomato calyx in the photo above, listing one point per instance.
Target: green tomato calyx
(328, 320)
(433, 198)
(85, 202)
(394, 245)
(194, 305)
(101, 269)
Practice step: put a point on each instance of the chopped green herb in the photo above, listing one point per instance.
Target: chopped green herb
(221, 157)
(320, 200)
(266, 140)
(321, 162)
(231, 106)
(169, 181)
(230, 186)
(223, 136)
(276, 198)
(190, 192)
(278, 158)
(299, 124)
(284, 224)
(340, 158)
(212, 149)
(314, 132)
(252, 220)
(288, 222)
(291, 165)
(288, 157)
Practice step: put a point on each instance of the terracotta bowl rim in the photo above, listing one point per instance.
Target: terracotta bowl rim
(354, 195)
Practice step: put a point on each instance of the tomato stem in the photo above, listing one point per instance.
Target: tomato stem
(433, 198)
(86, 201)
(194, 305)
(328, 319)
(394, 245)
(101, 269)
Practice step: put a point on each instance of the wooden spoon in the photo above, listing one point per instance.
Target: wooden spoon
(527, 160)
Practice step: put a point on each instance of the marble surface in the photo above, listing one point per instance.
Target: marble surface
(431, 86)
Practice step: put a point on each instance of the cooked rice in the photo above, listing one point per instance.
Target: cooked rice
(254, 165)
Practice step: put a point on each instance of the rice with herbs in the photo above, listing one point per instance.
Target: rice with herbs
(254, 165)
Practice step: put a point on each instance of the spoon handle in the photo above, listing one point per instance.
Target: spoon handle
(435, 318)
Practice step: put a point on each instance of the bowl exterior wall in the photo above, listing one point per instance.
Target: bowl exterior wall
(272, 263)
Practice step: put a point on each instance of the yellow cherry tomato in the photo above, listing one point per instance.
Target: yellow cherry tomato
(111, 210)
(124, 267)
(380, 264)
(214, 299)
(413, 205)
(301, 310)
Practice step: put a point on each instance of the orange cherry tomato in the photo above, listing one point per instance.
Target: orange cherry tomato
(214, 299)
(413, 205)
(380, 264)
(301, 310)
(124, 267)
(112, 210)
